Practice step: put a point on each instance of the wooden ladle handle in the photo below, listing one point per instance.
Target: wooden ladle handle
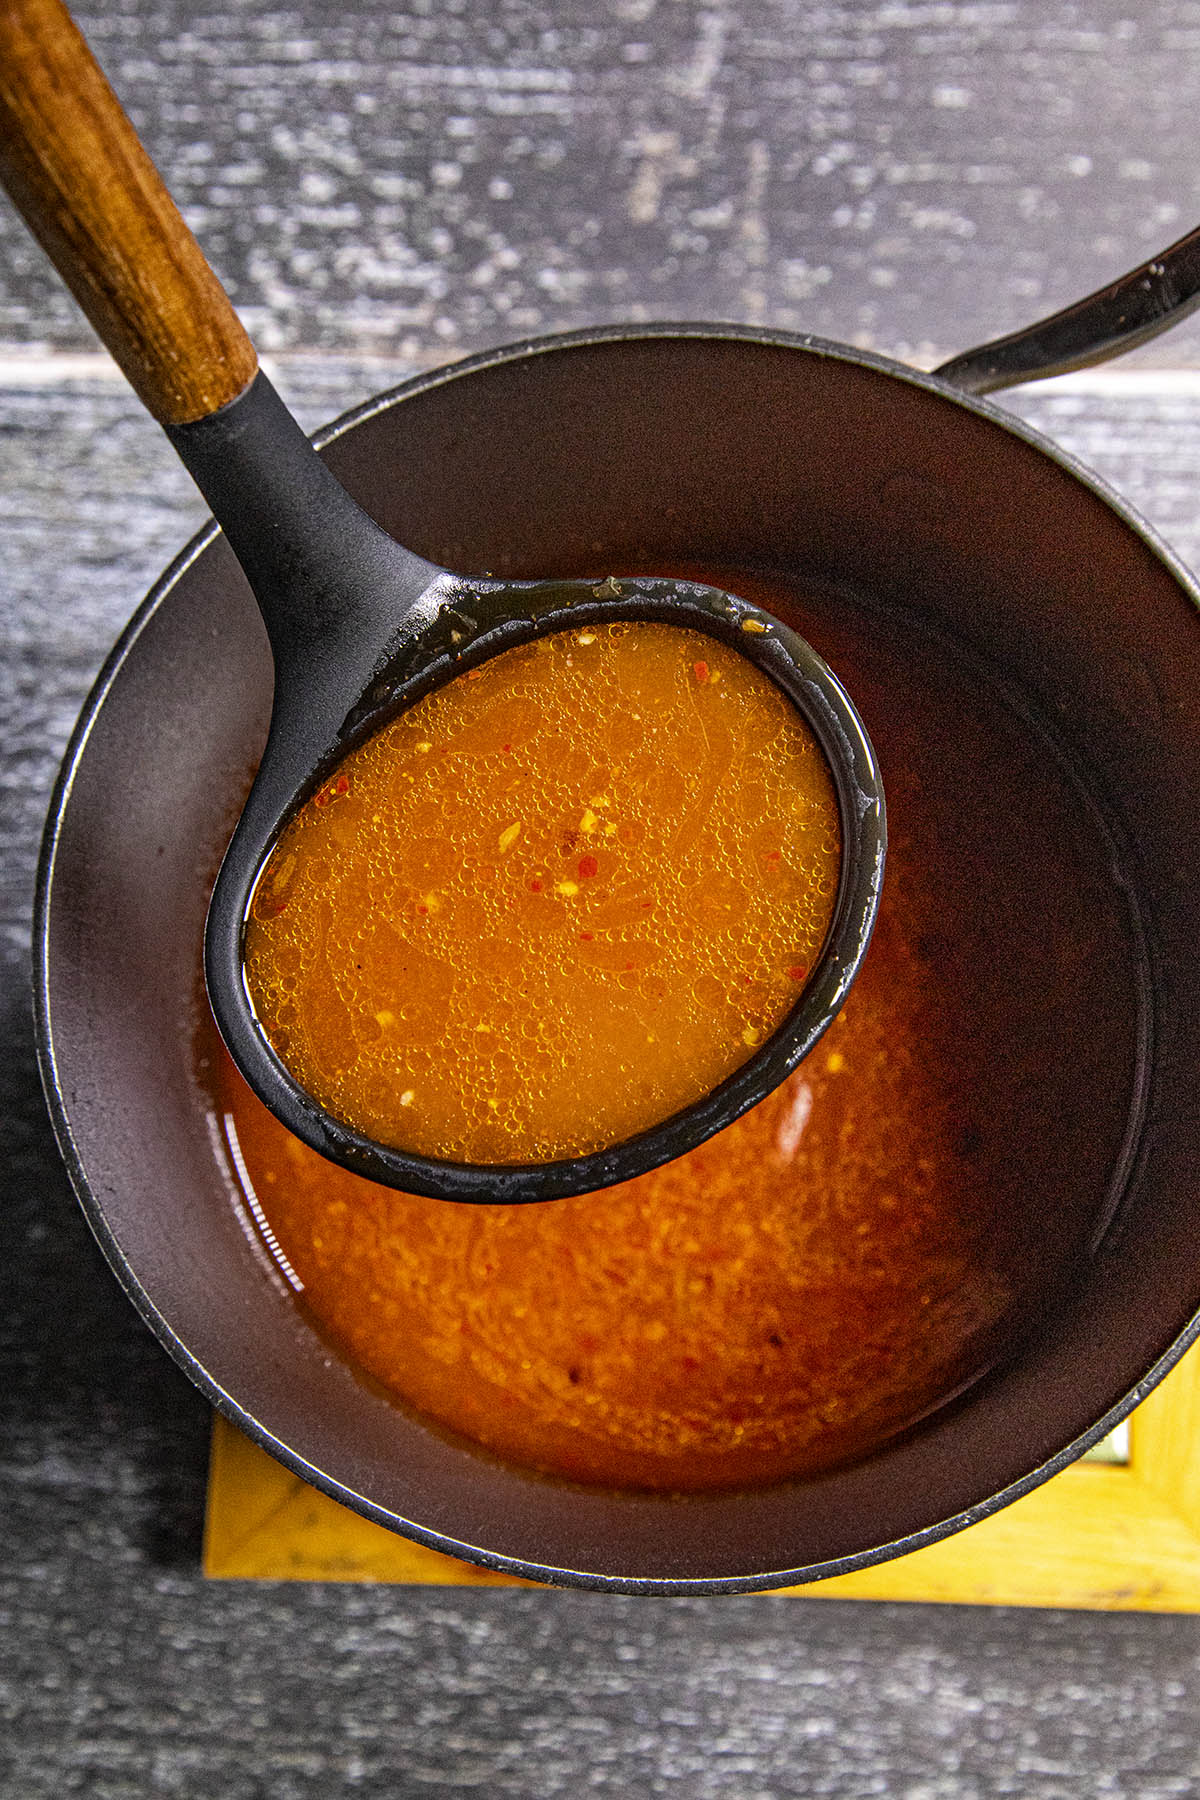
(73, 164)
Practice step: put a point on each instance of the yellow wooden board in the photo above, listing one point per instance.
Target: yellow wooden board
(1111, 1537)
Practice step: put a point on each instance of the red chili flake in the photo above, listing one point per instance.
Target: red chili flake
(474, 674)
(797, 972)
(506, 746)
(690, 1363)
(774, 855)
(700, 671)
(535, 887)
(585, 937)
(628, 965)
(339, 785)
(588, 866)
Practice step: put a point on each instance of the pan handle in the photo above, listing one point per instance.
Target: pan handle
(1129, 311)
(73, 165)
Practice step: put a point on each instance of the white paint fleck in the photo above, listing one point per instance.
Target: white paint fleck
(937, 218)
(754, 232)
(712, 218)
(317, 186)
(801, 280)
(415, 74)
(698, 77)
(659, 159)
(394, 187)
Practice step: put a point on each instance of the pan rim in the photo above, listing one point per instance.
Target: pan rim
(90, 1201)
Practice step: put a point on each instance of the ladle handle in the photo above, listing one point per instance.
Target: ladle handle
(72, 163)
(1128, 312)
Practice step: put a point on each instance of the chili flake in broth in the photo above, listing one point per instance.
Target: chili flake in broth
(854, 1252)
(554, 902)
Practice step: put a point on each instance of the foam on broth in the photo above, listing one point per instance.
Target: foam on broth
(555, 902)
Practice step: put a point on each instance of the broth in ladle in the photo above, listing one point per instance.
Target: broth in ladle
(553, 903)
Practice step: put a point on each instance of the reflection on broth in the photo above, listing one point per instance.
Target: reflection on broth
(869, 1240)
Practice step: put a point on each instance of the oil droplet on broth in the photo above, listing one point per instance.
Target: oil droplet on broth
(554, 902)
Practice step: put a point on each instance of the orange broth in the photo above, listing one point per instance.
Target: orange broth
(782, 1297)
(853, 1253)
(553, 903)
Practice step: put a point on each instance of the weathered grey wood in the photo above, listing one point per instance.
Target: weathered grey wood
(909, 174)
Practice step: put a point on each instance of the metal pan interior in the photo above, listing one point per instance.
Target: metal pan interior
(668, 450)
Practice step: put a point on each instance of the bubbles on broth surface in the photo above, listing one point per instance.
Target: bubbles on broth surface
(553, 903)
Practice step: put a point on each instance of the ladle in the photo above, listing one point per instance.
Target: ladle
(359, 626)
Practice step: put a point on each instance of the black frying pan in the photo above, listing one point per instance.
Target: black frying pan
(875, 488)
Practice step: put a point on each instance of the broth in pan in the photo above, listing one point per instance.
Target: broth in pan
(872, 1238)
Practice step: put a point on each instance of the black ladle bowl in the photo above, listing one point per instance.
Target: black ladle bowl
(360, 627)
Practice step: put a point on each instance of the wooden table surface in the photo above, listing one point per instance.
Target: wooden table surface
(384, 189)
